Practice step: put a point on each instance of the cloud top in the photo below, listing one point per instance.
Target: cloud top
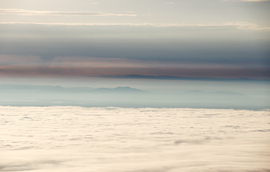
(136, 140)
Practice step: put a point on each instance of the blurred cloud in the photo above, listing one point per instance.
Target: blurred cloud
(159, 11)
(170, 3)
(11, 60)
(225, 25)
(59, 13)
(207, 43)
(14, 65)
(192, 72)
(95, 62)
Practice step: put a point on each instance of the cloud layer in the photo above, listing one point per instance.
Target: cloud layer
(136, 140)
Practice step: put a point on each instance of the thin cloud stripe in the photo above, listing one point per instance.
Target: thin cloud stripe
(237, 25)
(61, 13)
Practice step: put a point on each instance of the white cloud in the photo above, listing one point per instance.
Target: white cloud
(246, 26)
(136, 140)
(60, 13)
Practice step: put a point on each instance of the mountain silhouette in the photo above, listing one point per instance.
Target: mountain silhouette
(118, 90)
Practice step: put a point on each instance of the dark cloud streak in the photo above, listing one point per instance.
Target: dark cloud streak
(255, 73)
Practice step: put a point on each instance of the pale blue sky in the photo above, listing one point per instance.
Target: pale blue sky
(136, 11)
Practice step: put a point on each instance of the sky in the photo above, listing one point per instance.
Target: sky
(134, 85)
(227, 39)
(209, 55)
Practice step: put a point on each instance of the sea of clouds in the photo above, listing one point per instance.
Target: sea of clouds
(68, 139)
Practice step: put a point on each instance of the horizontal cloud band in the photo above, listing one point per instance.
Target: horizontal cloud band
(254, 73)
(60, 13)
(224, 25)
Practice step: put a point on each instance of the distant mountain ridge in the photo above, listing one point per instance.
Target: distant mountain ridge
(120, 89)
(125, 89)
(31, 95)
